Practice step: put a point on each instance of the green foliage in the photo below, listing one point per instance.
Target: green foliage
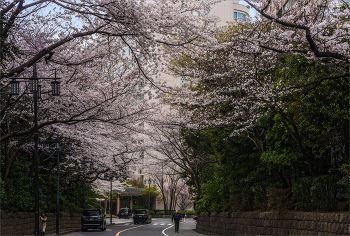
(345, 180)
(134, 207)
(299, 149)
(191, 212)
(317, 193)
(17, 192)
(160, 213)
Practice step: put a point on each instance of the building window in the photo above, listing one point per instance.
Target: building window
(239, 16)
(207, 11)
(183, 80)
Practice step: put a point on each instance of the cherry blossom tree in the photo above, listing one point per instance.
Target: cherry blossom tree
(106, 54)
(245, 75)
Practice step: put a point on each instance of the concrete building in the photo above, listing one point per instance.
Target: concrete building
(230, 10)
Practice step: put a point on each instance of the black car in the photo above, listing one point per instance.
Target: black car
(142, 215)
(125, 213)
(93, 219)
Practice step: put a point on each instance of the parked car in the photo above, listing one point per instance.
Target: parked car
(142, 215)
(125, 213)
(93, 219)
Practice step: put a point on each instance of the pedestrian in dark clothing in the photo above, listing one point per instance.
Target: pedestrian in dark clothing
(176, 218)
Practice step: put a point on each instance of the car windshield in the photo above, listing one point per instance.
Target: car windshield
(140, 211)
(91, 213)
(123, 210)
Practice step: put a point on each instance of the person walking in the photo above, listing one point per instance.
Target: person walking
(42, 223)
(176, 218)
(185, 216)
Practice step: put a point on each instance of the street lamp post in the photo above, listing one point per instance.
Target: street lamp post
(110, 205)
(84, 167)
(149, 192)
(58, 148)
(34, 88)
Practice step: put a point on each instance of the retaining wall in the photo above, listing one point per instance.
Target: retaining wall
(273, 223)
(169, 216)
(23, 223)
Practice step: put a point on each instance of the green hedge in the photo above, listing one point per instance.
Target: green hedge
(191, 212)
(134, 207)
(318, 193)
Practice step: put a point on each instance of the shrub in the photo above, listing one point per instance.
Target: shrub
(138, 207)
(236, 202)
(72, 208)
(152, 212)
(247, 197)
(320, 193)
(191, 212)
(279, 199)
(89, 206)
(260, 197)
(301, 193)
(160, 212)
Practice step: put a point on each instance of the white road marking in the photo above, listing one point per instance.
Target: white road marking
(170, 224)
(162, 224)
(163, 232)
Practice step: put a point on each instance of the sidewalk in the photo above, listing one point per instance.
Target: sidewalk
(115, 221)
(186, 228)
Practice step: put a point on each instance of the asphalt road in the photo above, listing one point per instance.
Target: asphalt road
(158, 227)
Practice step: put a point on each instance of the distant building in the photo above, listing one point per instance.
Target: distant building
(230, 10)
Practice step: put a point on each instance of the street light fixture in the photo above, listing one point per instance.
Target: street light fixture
(14, 87)
(84, 167)
(33, 87)
(58, 149)
(149, 192)
(110, 177)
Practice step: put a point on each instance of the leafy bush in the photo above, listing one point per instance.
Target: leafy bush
(279, 199)
(320, 193)
(160, 213)
(72, 208)
(152, 212)
(95, 205)
(191, 212)
(134, 207)
(247, 197)
(89, 206)
(301, 193)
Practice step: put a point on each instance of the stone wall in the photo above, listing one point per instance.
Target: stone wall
(273, 223)
(22, 223)
(169, 216)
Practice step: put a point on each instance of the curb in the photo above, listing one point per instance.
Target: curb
(76, 230)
